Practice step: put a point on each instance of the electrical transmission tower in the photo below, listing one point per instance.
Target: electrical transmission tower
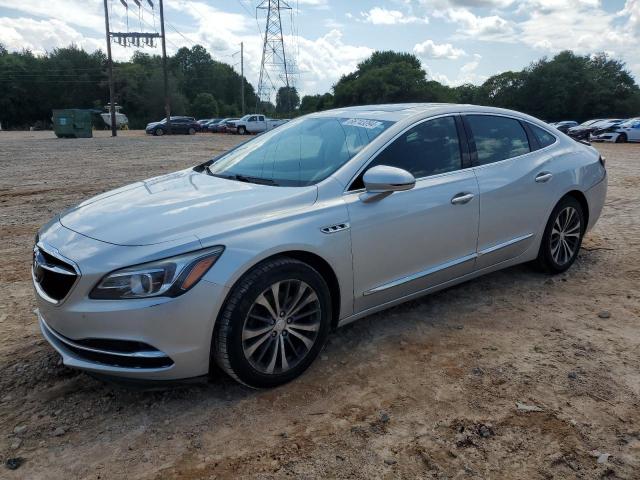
(274, 69)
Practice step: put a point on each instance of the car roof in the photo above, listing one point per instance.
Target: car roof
(397, 112)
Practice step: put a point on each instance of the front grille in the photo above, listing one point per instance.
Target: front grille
(53, 276)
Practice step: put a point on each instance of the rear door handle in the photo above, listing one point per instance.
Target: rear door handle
(462, 198)
(543, 177)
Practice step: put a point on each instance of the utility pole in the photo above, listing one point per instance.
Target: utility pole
(167, 99)
(124, 39)
(112, 103)
(242, 75)
(274, 58)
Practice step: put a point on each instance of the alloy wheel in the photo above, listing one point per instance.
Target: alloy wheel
(565, 235)
(281, 327)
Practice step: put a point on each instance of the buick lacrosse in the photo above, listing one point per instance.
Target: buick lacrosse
(249, 260)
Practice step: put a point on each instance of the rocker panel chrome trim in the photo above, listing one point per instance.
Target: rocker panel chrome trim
(423, 273)
(504, 244)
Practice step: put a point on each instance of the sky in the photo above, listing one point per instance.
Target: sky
(457, 41)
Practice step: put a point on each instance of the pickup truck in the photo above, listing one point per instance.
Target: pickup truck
(253, 123)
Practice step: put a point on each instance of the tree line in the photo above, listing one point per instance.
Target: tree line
(31, 86)
(567, 86)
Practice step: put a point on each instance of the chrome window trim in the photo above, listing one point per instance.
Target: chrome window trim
(375, 154)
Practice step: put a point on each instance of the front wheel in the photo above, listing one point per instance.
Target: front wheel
(274, 323)
(242, 131)
(562, 236)
(159, 132)
(192, 131)
(622, 138)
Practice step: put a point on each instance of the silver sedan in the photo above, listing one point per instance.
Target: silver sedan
(249, 260)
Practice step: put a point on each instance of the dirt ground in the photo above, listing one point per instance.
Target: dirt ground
(428, 389)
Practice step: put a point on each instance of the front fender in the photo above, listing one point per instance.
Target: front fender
(244, 250)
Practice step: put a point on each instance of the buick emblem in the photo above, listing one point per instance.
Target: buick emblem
(38, 260)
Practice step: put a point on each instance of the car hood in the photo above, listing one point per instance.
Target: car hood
(181, 205)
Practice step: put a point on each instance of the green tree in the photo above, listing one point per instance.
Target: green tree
(385, 77)
(316, 103)
(466, 93)
(502, 90)
(204, 105)
(287, 100)
(571, 86)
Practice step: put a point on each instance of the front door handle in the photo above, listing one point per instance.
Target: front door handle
(462, 198)
(543, 177)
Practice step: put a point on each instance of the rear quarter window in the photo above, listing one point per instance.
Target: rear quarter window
(544, 138)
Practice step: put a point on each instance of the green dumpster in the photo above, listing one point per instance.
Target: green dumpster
(72, 123)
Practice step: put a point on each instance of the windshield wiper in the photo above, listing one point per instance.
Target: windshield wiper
(245, 178)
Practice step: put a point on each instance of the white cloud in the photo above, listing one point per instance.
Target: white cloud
(492, 27)
(41, 36)
(321, 4)
(324, 60)
(88, 14)
(431, 50)
(466, 74)
(384, 16)
(584, 27)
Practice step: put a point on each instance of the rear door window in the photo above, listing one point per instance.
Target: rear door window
(497, 138)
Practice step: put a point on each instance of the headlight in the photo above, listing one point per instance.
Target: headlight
(168, 278)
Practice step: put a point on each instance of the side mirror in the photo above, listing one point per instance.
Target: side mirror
(382, 180)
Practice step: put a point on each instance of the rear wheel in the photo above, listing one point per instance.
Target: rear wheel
(622, 138)
(562, 236)
(274, 323)
(159, 132)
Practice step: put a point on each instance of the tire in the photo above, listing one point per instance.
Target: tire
(256, 359)
(568, 218)
(192, 131)
(242, 131)
(622, 138)
(158, 132)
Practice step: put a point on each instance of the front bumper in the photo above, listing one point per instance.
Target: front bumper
(174, 334)
(604, 137)
(156, 338)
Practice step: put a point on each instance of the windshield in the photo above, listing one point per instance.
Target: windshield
(299, 153)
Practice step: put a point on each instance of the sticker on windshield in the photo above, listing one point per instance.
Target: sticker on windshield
(363, 123)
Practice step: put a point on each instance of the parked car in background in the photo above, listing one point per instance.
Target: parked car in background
(202, 123)
(205, 126)
(220, 126)
(179, 125)
(253, 123)
(583, 131)
(250, 259)
(564, 126)
(627, 131)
